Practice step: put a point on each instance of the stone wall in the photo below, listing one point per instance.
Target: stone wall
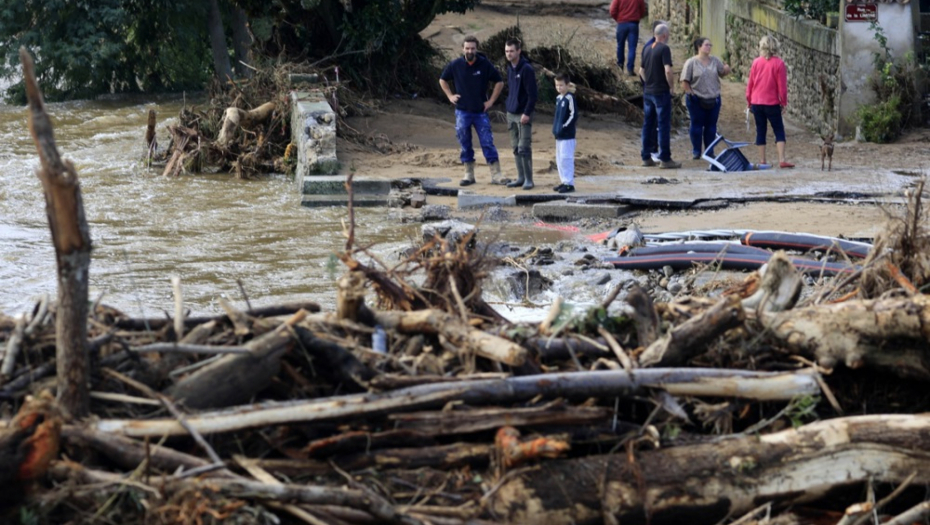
(809, 50)
(683, 16)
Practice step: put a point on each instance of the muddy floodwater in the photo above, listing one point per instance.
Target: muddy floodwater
(209, 230)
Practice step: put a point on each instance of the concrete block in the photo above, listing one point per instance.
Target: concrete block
(712, 204)
(336, 185)
(561, 210)
(313, 132)
(468, 199)
(323, 201)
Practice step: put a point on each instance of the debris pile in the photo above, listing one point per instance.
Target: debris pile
(430, 407)
(425, 405)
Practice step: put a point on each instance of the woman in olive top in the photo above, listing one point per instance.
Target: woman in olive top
(700, 80)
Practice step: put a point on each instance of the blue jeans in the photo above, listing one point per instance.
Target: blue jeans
(657, 108)
(703, 124)
(464, 120)
(771, 114)
(627, 32)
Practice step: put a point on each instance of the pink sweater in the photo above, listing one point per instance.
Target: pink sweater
(768, 82)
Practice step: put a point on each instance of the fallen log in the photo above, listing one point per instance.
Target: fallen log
(889, 334)
(709, 482)
(606, 383)
(236, 118)
(459, 334)
(235, 378)
(692, 337)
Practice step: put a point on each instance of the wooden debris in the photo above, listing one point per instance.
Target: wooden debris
(71, 239)
(724, 478)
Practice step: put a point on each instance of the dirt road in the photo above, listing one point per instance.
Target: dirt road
(417, 140)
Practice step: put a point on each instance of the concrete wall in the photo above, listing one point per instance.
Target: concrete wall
(828, 69)
(900, 24)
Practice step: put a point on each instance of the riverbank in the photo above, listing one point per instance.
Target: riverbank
(415, 138)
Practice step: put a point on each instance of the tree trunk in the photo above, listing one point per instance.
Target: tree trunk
(890, 334)
(71, 238)
(218, 42)
(711, 481)
(242, 43)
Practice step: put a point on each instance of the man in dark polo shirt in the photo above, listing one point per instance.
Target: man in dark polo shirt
(659, 85)
(471, 74)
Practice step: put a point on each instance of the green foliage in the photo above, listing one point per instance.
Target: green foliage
(880, 122)
(802, 410)
(107, 46)
(367, 39)
(27, 516)
(812, 9)
(895, 86)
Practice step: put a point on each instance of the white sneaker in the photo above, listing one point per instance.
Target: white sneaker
(655, 157)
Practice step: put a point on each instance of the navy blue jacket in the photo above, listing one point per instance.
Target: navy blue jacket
(471, 81)
(566, 116)
(521, 88)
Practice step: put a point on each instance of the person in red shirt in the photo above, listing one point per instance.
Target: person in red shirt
(767, 97)
(627, 14)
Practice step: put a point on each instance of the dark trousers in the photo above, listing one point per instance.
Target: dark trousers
(627, 33)
(703, 124)
(766, 114)
(657, 112)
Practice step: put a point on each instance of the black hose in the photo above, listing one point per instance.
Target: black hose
(734, 261)
(804, 242)
(695, 247)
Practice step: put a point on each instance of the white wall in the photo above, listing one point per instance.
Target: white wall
(899, 22)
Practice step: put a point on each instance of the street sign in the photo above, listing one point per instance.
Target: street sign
(861, 12)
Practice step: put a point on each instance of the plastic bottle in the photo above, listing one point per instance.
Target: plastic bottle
(379, 340)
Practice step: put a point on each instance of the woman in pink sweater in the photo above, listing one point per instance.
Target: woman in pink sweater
(767, 96)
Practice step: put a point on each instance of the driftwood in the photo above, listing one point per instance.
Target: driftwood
(238, 487)
(689, 338)
(151, 144)
(889, 334)
(191, 322)
(711, 481)
(610, 384)
(466, 421)
(236, 118)
(454, 330)
(181, 137)
(71, 238)
(235, 378)
(129, 453)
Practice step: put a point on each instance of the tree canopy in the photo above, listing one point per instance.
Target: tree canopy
(86, 48)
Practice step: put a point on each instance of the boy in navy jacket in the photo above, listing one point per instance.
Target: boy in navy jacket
(563, 128)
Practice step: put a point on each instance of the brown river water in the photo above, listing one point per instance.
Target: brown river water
(209, 230)
(212, 231)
